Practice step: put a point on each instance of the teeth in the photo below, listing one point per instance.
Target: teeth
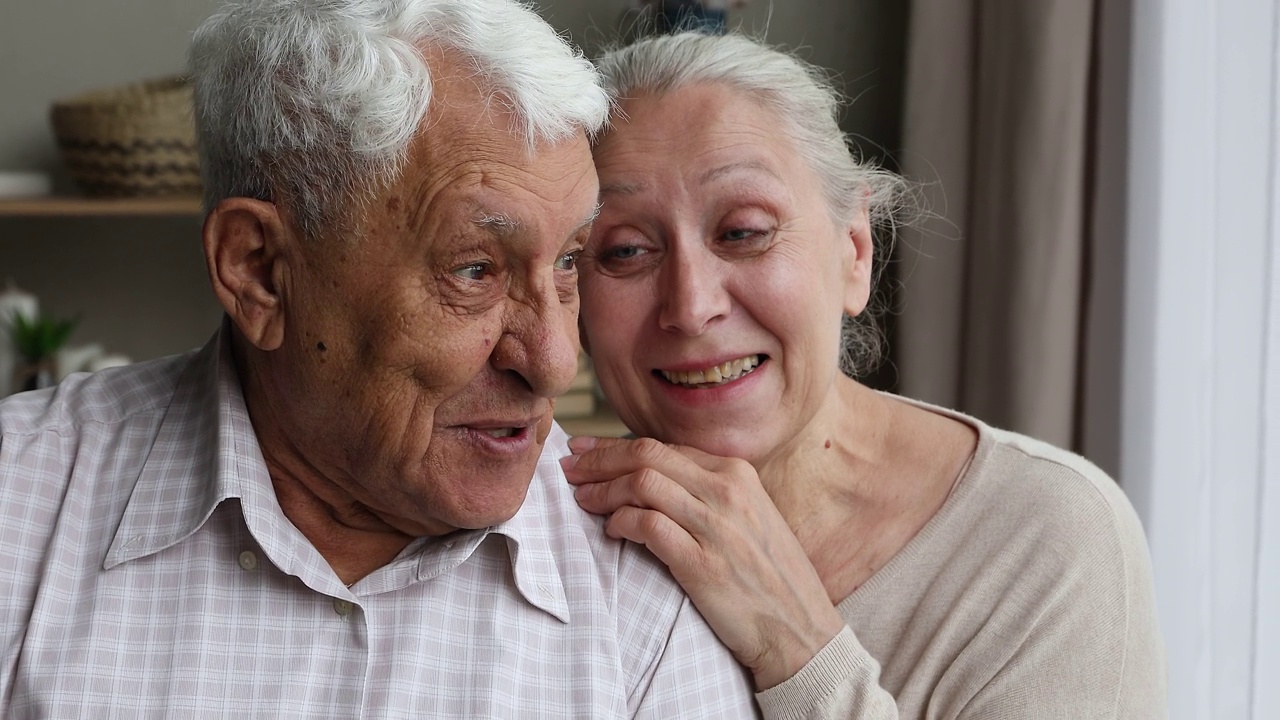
(501, 433)
(715, 375)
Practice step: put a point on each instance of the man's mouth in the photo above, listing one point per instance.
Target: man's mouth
(715, 375)
(501, 432)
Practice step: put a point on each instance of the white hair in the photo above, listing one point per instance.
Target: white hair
(808, 105)
(314, 103)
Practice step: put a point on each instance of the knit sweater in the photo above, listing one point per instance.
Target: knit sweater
(1028, 595)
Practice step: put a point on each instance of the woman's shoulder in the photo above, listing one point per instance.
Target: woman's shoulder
(1071, 499)
(1032, 517)
(1017, 479)
(1036, 560)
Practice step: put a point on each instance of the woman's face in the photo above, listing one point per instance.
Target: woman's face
(715, 279)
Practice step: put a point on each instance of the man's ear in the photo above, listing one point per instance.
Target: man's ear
(857, 264)
(245, 241)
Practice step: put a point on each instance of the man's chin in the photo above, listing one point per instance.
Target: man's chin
(485, 504)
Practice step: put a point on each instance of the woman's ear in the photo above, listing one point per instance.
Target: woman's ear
(245, 242)
(857, 264)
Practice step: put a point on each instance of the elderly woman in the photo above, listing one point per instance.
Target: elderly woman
(863, 555)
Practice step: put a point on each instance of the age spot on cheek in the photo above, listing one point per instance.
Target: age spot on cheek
(321, 347)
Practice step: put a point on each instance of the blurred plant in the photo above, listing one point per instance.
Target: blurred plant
(36, 340)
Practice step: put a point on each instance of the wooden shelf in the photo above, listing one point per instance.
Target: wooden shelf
(100, 207)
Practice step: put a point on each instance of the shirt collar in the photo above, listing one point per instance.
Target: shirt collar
(530, 532)
(206, 452)
(529, 539)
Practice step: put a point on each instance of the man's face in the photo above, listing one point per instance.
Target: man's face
(421, 356)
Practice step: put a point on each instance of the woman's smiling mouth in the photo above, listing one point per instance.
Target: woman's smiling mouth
(713, 376)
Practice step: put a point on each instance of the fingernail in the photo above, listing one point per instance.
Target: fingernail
(582, 443)
(568, 461)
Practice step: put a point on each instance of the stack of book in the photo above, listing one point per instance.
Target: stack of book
(580, 401)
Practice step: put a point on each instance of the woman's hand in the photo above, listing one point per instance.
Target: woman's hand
(710, 520)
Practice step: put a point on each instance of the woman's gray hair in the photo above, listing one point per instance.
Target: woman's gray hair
(315, 104)
(808, 104)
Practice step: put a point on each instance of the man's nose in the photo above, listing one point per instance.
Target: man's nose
(540, 342)
(692, 291)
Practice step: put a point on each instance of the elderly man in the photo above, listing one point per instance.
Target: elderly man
(328, 511)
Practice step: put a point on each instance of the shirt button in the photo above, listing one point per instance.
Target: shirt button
(342, 607)
(248, 560)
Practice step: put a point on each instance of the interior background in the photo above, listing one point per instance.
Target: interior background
(139, 284)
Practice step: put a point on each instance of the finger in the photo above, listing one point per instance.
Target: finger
(579, 444)
(582, 444)
(646, 489)
(702, 458)
(618, 457)
(664, 537)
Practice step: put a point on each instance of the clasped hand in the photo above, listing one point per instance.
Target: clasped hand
(711, 521)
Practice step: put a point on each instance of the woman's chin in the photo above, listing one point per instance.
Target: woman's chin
(722, 441)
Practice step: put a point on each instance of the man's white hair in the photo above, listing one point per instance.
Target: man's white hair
(314, 103)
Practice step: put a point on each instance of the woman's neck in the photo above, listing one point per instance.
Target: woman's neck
(862, 479)
(828, 469)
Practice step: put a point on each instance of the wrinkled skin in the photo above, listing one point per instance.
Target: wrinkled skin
(379, 368)
(710, 520)
(715, 244)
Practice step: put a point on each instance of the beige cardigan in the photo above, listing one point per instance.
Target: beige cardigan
(1029, 595)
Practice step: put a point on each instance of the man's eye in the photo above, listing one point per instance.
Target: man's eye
(568, 261)
(475, 271)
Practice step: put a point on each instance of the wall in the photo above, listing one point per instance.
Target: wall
(139, 283)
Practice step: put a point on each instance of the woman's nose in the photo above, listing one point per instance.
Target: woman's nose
(693, 292)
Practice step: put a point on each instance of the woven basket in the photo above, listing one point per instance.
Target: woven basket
(137, 140)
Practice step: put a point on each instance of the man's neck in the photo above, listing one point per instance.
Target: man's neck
(354, 541)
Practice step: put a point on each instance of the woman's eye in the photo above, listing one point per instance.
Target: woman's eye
(568, 261)
(475, 271)
(739, 234)
(624, 252)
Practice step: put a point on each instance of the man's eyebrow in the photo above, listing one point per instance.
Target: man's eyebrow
(496, 223)
(504, 225)
(595, 213)
(716, 173)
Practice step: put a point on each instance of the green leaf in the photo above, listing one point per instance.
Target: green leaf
(39, 338)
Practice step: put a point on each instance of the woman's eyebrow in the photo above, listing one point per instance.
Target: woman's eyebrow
(623, 188)
(715, 173)
(718, 172)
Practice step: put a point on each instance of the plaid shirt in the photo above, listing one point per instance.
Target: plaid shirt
(147, 570)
